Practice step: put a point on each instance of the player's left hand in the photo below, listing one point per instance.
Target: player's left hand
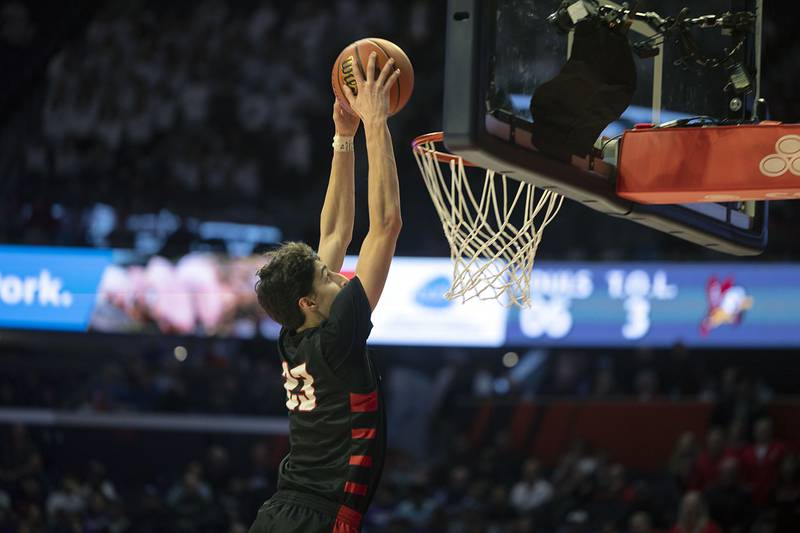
(346, 123)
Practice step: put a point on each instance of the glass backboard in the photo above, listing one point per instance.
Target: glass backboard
(498, 52)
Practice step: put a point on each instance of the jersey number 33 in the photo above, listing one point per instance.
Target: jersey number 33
(299, 385)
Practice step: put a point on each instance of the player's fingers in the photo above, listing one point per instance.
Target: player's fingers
(385, 71)
(371, 67)
(392, 79)
(350, 95)
(358, 74)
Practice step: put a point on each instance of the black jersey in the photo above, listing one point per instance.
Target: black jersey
(336, 412)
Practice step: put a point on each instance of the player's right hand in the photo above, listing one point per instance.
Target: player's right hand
(371, 102)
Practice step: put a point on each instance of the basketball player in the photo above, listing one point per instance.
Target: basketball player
(336, 412)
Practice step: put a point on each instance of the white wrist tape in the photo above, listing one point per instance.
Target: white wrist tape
(342, 144)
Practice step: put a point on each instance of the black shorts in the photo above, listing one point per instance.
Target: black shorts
(294, 512)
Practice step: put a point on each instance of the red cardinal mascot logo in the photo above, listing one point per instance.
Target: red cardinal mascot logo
(726, 304)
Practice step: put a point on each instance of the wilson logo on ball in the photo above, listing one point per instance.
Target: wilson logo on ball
(347, 72)
(786, 158)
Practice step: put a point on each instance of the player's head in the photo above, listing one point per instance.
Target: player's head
(295, 287)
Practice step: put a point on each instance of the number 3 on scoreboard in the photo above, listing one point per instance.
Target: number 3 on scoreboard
(299, 385)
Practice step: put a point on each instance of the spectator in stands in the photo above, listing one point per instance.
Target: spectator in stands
(456, 489)
(578, 459)
(709, 461)
(693, 516)
(191, 502)
(737, 400)
(7, 518)
(66, 502)
(605, 384)
(682, 462)
(117, 518)
(259, 480)
(381, 512)
(729, 504)
(507, 458)
(645, 385)
(109, 391)
(613, 497)
(31, 519)
(785, 497)
(98, 517)
(20, 461)
(149, 511)
(762, 460)
(498, 511)
(523, 524)
(657, 498)
(98, 481)
(640, 522)
(217, 468)
(533, 491)
(416, 509)
(736, 436)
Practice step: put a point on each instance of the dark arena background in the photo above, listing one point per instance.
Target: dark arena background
(150, 152)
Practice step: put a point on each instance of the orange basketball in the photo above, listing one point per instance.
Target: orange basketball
(357, 54)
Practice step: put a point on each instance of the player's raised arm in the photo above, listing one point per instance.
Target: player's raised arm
(372, 105)
(336, 219)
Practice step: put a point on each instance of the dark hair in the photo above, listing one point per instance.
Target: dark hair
(287, 277)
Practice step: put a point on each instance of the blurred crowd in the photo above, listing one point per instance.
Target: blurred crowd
(210, 378)
(234, 377)
(715, 487)
(204, 109)
(738, 476)
(205, 495)
(711, 484)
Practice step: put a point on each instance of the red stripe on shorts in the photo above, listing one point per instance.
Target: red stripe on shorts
(364, 403)
(343, 527)
(361, 460)
(363, 433)
(348, 520)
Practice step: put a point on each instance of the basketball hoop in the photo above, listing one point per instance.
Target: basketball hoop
(492, 254)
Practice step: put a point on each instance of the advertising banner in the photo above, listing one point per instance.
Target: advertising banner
(413, 309)
(652, 304)
(49, 288)
(734, 305)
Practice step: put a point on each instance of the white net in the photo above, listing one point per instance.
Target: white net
(491, 225)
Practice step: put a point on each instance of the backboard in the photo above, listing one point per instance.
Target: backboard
(499, 51)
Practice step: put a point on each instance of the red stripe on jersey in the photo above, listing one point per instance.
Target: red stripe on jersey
(355, 488)
(347, 517)
(364, 403)
(361, 460)
(363, 433)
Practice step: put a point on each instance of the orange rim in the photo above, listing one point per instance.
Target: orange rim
(418, 145)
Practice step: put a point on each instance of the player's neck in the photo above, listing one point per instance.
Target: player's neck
(311, 322)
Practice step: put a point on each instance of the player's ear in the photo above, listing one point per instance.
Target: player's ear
(306, 303)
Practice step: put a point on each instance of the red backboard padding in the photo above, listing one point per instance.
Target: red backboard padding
(710, 164)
